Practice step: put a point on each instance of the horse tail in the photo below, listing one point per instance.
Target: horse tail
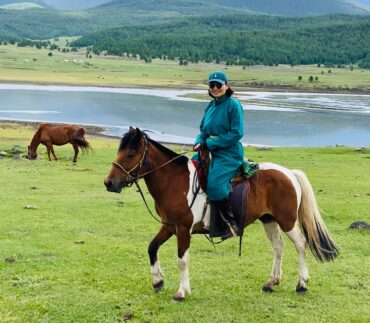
(79, 139)
(322, 246)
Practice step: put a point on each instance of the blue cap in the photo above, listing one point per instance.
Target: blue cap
(218, 76)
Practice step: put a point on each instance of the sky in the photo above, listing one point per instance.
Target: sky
(364, 2)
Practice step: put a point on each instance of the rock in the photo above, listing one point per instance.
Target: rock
(263, 148)
(361, 150)
(30, 207)
(359, 225)
(17, 150)
(79, 242)
(3, 153)
(128, 316)
(10, 260)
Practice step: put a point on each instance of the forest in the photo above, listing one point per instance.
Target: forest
(242, 39)
(268, 41)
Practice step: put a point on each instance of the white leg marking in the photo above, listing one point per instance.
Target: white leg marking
(273, 233)
(157, 274)
(300, 244)
(184, 288)
(198, 205)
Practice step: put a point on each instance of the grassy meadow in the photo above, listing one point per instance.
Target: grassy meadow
(48, 275)
(31, 65)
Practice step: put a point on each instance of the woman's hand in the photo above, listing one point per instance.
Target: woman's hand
(197, 147)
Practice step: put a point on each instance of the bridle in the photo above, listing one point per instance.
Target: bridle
(133, 178)
(130, 177)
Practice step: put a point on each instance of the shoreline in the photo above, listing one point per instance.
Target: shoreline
(96, 131)
(250, 88)
(90, 130)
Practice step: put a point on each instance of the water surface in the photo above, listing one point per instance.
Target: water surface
(281, 119)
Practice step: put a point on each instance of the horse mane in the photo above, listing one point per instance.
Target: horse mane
(35, 141)
(131, 139)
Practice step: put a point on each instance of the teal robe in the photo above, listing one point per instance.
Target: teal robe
(220, 130)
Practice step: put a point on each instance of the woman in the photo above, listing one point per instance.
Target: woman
(220, 131)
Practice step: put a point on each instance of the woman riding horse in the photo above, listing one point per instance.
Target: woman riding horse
(280, 198)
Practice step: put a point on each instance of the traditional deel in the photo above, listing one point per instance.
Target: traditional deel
(221, 129)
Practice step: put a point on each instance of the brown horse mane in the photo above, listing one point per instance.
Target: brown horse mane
(35, 141)
(131, 139)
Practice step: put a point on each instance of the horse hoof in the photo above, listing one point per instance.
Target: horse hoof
(178, 298)
(158, 286)
(300, 290)
(267, 289)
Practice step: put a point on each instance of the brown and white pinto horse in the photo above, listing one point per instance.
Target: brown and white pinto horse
(279, 198)
(59, 135)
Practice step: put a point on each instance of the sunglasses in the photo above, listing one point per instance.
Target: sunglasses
(213, 85)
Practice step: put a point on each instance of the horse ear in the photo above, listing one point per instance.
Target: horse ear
(138, 132)
(131, 129)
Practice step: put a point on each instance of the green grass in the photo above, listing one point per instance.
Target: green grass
(53, 279)
(17, 65)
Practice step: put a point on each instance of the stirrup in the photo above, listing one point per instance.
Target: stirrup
(232, 231)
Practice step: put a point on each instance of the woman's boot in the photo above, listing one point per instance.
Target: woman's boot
(226, 214)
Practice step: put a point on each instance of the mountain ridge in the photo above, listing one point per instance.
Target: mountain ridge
(269, 7)
(10, 3)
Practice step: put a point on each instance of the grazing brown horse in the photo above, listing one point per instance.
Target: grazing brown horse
(279, 197)
(59, 135)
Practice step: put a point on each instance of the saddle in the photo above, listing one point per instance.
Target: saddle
(240, 185)
(238, 202)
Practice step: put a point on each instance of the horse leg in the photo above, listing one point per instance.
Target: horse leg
(183, 244)
(277, 243)
(157, 275)
(50, 148)
(299, 241)
(75, 147)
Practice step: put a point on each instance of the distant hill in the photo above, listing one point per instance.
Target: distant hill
(74, 4)
(271, 7)
(25, 4)
(299, 7)
(20, 6)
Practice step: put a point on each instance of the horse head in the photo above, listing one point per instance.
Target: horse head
(130, 156)
(31, 153)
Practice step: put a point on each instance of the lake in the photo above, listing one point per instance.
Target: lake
(276, 119)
